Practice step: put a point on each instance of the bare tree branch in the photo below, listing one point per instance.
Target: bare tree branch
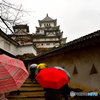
(11, 14)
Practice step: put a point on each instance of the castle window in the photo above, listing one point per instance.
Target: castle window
(37, 30)
(48, 43)
(53, 43)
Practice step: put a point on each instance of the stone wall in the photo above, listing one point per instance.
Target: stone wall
(83, 64)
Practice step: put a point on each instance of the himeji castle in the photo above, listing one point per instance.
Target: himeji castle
(48, 34)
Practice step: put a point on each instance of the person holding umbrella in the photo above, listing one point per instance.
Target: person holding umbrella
(52, 79)
(12, 74)
(52, 94)
(41, 66)
(65, 89)
(32, 71)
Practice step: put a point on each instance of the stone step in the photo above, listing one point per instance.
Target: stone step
(25, 96)
(35, 99)
(27, 99)
(30, 88)
(31, 85)
(28, 82)
(31, 93)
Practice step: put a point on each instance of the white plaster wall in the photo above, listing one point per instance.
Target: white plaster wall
(41, 39)
(25, 49)
(12, 49)
(52, 24)
(15, 50)
(41, 31)
(1, 42)
(38, 40)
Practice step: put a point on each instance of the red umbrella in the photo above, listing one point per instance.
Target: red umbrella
(12, 73)
(52, 78)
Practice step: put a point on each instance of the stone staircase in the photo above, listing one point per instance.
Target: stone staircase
(34, 91)
(29, 91)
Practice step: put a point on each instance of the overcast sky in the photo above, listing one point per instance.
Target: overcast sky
(75, 17)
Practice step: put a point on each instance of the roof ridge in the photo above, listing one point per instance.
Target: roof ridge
(47, 18)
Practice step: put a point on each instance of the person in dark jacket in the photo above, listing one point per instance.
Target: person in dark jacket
(32, 71)
(52, 94)
(65, 91)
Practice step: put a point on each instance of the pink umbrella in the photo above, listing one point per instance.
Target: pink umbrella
(12, 73)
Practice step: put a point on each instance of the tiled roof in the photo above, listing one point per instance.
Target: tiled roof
(84, 38)
(21, 27)
(47, 18)
(91, 36)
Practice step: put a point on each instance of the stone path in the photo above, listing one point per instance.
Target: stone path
(34, 91)
(29, 91)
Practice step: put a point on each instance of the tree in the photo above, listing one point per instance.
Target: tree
(10, 15)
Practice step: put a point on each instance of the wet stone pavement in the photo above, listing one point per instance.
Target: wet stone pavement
(34, 91)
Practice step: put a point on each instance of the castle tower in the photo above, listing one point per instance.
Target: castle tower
(48, 34)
